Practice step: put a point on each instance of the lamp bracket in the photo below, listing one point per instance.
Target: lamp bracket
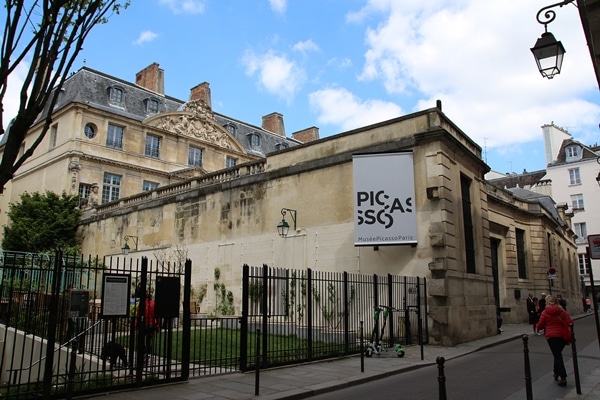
(549, 15)
(135, 240)
(292, 214)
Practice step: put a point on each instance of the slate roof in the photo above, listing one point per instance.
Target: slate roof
(544, 200)
(524, 180)
(91, 87)
(587, 152)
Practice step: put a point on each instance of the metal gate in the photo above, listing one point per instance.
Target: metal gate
(74, 326)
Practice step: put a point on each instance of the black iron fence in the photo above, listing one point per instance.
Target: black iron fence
(306, 315)
(59, 339)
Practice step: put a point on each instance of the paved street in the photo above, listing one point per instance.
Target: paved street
(311, 379)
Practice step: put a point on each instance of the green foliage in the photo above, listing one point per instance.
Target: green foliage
(42, 223)
(332, 307)
(224, 298)
(255, 289)
(297, 284)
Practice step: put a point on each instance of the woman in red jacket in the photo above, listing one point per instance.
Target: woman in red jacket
(553, 321)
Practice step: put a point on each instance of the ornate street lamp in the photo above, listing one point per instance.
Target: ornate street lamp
(548, 52)
(125, 249)
(283, 227)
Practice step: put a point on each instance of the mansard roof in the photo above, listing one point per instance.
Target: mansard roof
(91, 87)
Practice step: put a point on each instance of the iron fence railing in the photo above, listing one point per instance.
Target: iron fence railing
(52, 345)
(306, 315)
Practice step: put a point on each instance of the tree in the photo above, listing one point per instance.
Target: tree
(49, 34)
(42, 222)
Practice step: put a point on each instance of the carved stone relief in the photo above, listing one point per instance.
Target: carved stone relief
(195, 120)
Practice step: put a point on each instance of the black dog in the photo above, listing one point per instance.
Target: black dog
(114, 351)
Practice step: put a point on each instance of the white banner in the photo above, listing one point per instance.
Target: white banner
(384, 193)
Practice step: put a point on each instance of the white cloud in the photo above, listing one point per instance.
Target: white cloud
(339, 106)
(145, 36)
(475, 57)
(305, 46)
(278, 6)
(185, 6)
(276, 74)
(13, 91)
(340, 63)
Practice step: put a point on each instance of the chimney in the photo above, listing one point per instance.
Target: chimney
(274, 123)
(201, 92)
(152, 78)
(306, 135)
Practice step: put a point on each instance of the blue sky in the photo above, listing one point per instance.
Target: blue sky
(343, 64)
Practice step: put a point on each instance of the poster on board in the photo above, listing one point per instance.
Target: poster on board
(384, 192)
(115, 295)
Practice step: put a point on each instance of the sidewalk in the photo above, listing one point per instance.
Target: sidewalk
(306, 380)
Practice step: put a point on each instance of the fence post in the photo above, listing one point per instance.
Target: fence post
(257, 364)
(375, 304)
(71, 376)
(265, 314)
(141, 324)
(390, 304)
(528, 388)
(362, 350)
(309, 313)
(244, 322)
(441, 378)
(575, 362)
(346, 314)
(420, 319)
(52, 322)
(186, 334)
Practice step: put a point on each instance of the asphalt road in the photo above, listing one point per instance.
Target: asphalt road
(496, 373)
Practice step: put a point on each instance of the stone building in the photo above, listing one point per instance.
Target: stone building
(129, 137)
(405, 196)
(480, 247)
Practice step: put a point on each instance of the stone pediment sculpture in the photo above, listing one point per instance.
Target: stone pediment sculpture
(196, 120)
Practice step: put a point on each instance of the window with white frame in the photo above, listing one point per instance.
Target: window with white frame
(584, 264)
(580, 230)
(147, 185)
(230, 162)
(114, 137)
(195, 156)
(84, 192)
(111, 187)
(153, 146)
(573, 153)
(574, 177)
(577, 202)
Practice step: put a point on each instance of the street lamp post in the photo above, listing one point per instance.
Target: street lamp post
(547, 51)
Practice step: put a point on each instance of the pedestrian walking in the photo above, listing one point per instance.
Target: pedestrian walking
(555, 320)
(151, 324)
(561, 302)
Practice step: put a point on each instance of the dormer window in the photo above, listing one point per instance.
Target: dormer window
(573, 153)
(254, 139)
(281, 146)
(116, 95)
(151, 106)
(231, 128)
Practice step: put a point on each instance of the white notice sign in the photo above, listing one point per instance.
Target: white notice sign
(115, 295)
